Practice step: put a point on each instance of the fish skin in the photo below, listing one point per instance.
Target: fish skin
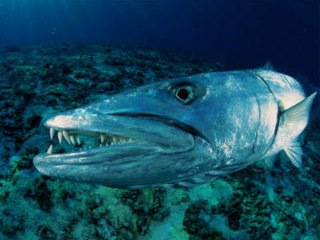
(187, 131)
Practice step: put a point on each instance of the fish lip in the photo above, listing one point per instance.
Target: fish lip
(184, 127)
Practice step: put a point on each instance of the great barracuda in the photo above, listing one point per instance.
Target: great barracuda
(180, 132)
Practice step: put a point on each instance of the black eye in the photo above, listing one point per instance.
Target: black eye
(184, 94)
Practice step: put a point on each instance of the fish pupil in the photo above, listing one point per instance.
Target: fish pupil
(183, 94)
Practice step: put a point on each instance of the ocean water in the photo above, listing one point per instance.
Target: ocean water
(62, 54)
(243, 33)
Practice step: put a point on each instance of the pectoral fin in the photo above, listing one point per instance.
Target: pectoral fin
(270, 161)
(293, 121)
(299, 112)
(294, 153)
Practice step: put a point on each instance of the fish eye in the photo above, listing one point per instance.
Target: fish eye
(184, 94)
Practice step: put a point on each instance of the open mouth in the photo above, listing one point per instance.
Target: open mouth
(79, 137)
(64, 141)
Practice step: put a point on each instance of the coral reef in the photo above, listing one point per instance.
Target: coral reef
(38, 82)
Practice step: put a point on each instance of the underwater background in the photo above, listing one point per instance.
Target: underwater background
(56, 55)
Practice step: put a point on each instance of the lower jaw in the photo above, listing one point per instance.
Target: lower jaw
(114, 154)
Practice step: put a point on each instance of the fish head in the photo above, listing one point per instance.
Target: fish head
(154, 135)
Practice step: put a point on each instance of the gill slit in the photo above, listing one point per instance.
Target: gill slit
(276, 129)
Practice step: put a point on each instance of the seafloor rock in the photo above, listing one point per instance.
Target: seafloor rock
(36, 83)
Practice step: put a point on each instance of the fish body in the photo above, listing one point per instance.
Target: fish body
(181, 132)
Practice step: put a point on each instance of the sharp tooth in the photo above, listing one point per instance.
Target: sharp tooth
(66, 136)
(78, 139)
(52, 132)
(50, 149)
(114, 140)
(60, 137)
(73, 140)
(102, 138)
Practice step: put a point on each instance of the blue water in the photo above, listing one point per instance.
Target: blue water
(241, 34)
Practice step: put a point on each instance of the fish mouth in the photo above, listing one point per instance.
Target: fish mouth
(92, 139)
(75, 143)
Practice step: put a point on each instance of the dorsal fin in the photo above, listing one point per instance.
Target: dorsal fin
(268, 66)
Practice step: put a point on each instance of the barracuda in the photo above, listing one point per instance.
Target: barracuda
(180, 132)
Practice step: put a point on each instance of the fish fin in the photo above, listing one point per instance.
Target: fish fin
(268, 66)
(295, 119)
(300, 111)
(294, 153)
(270, 161)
